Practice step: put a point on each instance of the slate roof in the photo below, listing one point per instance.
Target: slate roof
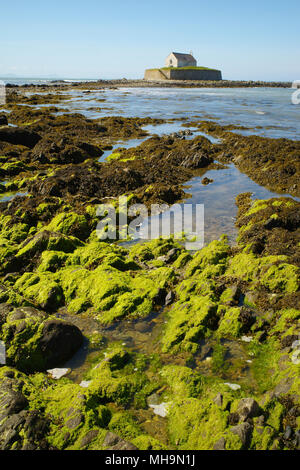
(184, 57)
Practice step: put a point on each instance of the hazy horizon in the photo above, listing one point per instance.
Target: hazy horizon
(256, 41)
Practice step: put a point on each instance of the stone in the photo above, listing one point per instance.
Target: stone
(220, 444)
(218, 399)
(87, 439)
(233, 386)
(243, 431)
(114, 442)
(59, 341)
(74, 422)
(288, 432)
(18, 136)
(161, 409)
(3, 119)
(169, 298)
(57, 373)
(248, 408)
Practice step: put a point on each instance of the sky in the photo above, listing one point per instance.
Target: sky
(257, 40)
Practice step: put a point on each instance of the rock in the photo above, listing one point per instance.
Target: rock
(220, 444)
(59, 341)
(218, 399)
(153, 399)
(296, 357)
(233, 386)
(20, 429)
(11, 401)
(288, 432)
(74, 422)
(113, 442)
(87, 439)
(58, 373)
(169, 298)
(18, 136)
(3, 119)
(288, 341)
(85, 383)
(247, 339)
(248, 408)
(244, 431)
(206, 181)
(161, 409)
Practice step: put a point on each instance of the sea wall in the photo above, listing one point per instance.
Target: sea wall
(184, 74)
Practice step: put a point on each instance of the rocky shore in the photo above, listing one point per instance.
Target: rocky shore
(179, 350)
(156, 84)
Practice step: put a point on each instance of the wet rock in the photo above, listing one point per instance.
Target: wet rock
(243, 431)
(20, 428)
(220, 444)
(205, 181)
(59, 341)
(113, 442)
(159, 298)
(248, 408)
(64, 151)
(169, 298)
(288, 432)
(87, 439)
(218, 399)
(75, 421)
(3, 119)
(18, 136)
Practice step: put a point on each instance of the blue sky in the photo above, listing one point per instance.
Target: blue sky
(257, 40)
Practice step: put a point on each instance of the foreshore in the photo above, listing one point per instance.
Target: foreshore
(143, 346)
(159, 84)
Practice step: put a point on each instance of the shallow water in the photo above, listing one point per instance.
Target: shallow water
(269, 108)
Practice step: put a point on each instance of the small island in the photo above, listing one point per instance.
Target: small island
(180, 66)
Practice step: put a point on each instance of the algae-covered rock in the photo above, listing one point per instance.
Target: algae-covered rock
(35, 342)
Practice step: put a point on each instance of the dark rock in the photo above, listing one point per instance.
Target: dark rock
(18, 136)
(74, 422)
(59, 341)
(288, 340)
(218, 399)
(248, 408)
(233, 419)
(3, 119)
(87, 439)
(159, 298)
(244, 431)
(220, 444)
(169, 298)
(206, 181)
(113, 442)
(288, 432)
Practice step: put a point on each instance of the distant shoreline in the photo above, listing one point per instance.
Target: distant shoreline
(155, 84)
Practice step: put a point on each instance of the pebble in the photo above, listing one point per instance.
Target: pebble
(296, 344)
(288, 432)
(232, 386)
(247, 339)
(58, 373)
(296, 357)
(160, 410)
(85, 383)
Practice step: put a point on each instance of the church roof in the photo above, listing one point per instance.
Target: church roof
(185, 57)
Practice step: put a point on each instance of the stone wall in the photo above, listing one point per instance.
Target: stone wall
(184, 74)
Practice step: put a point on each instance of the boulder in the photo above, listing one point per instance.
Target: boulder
(18, 136)
(113, 442)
